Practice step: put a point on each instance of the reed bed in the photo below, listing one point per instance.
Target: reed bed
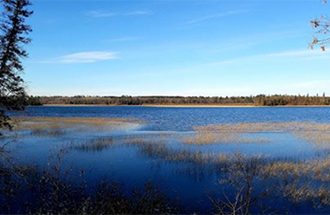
(160, 149)
(94, 144)
(56, 126)
(291, 172)
(300, 182)
(205, 138)
(318, 169)
(318, 133)
(318, 137)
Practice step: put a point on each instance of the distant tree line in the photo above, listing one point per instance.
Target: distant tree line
(259, 100)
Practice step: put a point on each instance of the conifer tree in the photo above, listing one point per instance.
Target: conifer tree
(14, 35)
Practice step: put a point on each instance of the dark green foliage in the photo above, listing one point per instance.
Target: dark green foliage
(13, 37)
(4, 121)
(33, 101)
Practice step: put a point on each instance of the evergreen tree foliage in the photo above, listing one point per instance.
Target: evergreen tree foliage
(14, 35)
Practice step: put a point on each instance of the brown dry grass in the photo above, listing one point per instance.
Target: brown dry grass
(204, 138)
(318, 169)
(58, 125)
(318, 133)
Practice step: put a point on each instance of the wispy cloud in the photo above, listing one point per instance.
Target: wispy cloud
(106, 14)
(86, 57)
(218, 15)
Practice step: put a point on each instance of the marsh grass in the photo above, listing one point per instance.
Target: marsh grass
(249, 182)
(193, 163)
(103, 143)
(317, 133)
(208, 137)
(58, 126)
(317, 169)
(246, 183)
(319, 137)
(94, 144)
(301, 183)
(159, 148)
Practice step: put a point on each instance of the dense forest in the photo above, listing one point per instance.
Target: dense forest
(259, 100)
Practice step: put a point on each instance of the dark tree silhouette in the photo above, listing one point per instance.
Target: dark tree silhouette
(14, 36)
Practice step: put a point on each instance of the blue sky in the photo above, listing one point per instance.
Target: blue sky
(173, 47)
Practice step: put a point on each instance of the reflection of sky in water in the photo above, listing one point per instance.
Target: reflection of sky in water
(127, 163)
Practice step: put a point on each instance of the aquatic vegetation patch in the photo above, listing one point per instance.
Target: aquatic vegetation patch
(318, 133)
(246, 182)
(94, 144)
(302, 182)
(319, 137)
(56, 126)
(250, 181)
(205, 138)
(317, 169)
(160, 149)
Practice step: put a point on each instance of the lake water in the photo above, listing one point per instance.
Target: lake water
(167, 131)
(182, 119)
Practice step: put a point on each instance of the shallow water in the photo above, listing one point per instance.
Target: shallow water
(140, 152)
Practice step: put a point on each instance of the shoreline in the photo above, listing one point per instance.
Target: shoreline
(179, 106)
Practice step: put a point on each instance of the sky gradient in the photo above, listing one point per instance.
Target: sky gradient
(173, 47)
